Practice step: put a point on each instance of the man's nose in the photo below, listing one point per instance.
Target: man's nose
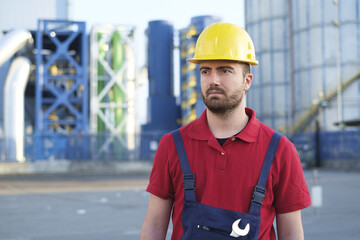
(214, 79)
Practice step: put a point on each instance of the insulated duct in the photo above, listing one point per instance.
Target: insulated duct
(14, 92)
(12, 42)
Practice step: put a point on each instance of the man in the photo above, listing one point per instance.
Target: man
(225, 150)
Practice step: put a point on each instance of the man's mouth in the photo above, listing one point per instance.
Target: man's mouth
(214, 91)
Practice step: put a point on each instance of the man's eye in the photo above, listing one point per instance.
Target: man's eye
(204, 71)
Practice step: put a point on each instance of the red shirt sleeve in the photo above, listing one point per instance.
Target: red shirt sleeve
(160, 183)
(291, 192)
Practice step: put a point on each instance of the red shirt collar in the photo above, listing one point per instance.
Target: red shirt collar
(200, 128)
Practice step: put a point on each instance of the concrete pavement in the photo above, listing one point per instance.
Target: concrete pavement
(79, 207)
(338, 218)
(72, 207)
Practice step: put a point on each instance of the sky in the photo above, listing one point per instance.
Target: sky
(138, 13)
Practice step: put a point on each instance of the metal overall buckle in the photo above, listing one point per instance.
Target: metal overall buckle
(189, 181)
(258, 194)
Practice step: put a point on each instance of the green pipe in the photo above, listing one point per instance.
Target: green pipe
(118, 96)
(117, 61)
(100, 83)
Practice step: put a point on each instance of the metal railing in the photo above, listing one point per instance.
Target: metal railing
(339, 145)
(328, 146)
(74, 147)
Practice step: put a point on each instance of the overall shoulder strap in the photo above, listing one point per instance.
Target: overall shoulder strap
(188, 176)
(260, 190)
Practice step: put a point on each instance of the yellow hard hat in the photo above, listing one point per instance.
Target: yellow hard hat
(224, 41)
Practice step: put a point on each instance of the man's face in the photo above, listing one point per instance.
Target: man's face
(223, 85)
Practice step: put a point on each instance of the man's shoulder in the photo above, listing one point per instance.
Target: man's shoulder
(184, 131)
(265, 128)
(269, 131)
(194, 125)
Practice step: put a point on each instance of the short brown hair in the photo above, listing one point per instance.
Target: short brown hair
(246, 68)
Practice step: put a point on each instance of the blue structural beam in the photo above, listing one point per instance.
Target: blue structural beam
(61, 77)
(61, 87)
(162, 111)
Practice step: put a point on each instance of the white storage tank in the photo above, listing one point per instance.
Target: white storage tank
(306, 50)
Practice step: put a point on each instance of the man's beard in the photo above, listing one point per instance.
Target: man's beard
(222, 106)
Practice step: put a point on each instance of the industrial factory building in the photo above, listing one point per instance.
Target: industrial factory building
(70, 94)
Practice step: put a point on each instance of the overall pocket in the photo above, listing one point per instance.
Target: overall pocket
(210, 223)
(214, 231)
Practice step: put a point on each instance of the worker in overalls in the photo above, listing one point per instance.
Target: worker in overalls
(225, 175)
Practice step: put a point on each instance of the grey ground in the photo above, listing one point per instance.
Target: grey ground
(79, 207)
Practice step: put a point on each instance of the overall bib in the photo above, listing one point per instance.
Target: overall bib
(203, 222)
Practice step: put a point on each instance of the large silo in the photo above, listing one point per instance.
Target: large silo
(326, 54)
(266, 22)
(309, 60)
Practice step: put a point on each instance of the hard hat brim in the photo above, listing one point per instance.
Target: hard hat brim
(198, 60)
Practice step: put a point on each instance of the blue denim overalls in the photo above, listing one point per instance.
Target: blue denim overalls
(203, 222)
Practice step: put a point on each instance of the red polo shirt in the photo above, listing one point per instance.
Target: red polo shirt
(226, 176)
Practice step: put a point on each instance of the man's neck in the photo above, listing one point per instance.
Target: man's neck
(224, 126)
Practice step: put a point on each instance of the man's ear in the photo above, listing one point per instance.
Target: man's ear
(248, 81)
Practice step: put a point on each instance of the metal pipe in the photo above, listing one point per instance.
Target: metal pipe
(14, 92)
(338, 66)
(12, 42)
(292, 64)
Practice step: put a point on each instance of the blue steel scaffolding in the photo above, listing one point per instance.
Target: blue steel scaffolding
(61, 85)
(192, 105)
